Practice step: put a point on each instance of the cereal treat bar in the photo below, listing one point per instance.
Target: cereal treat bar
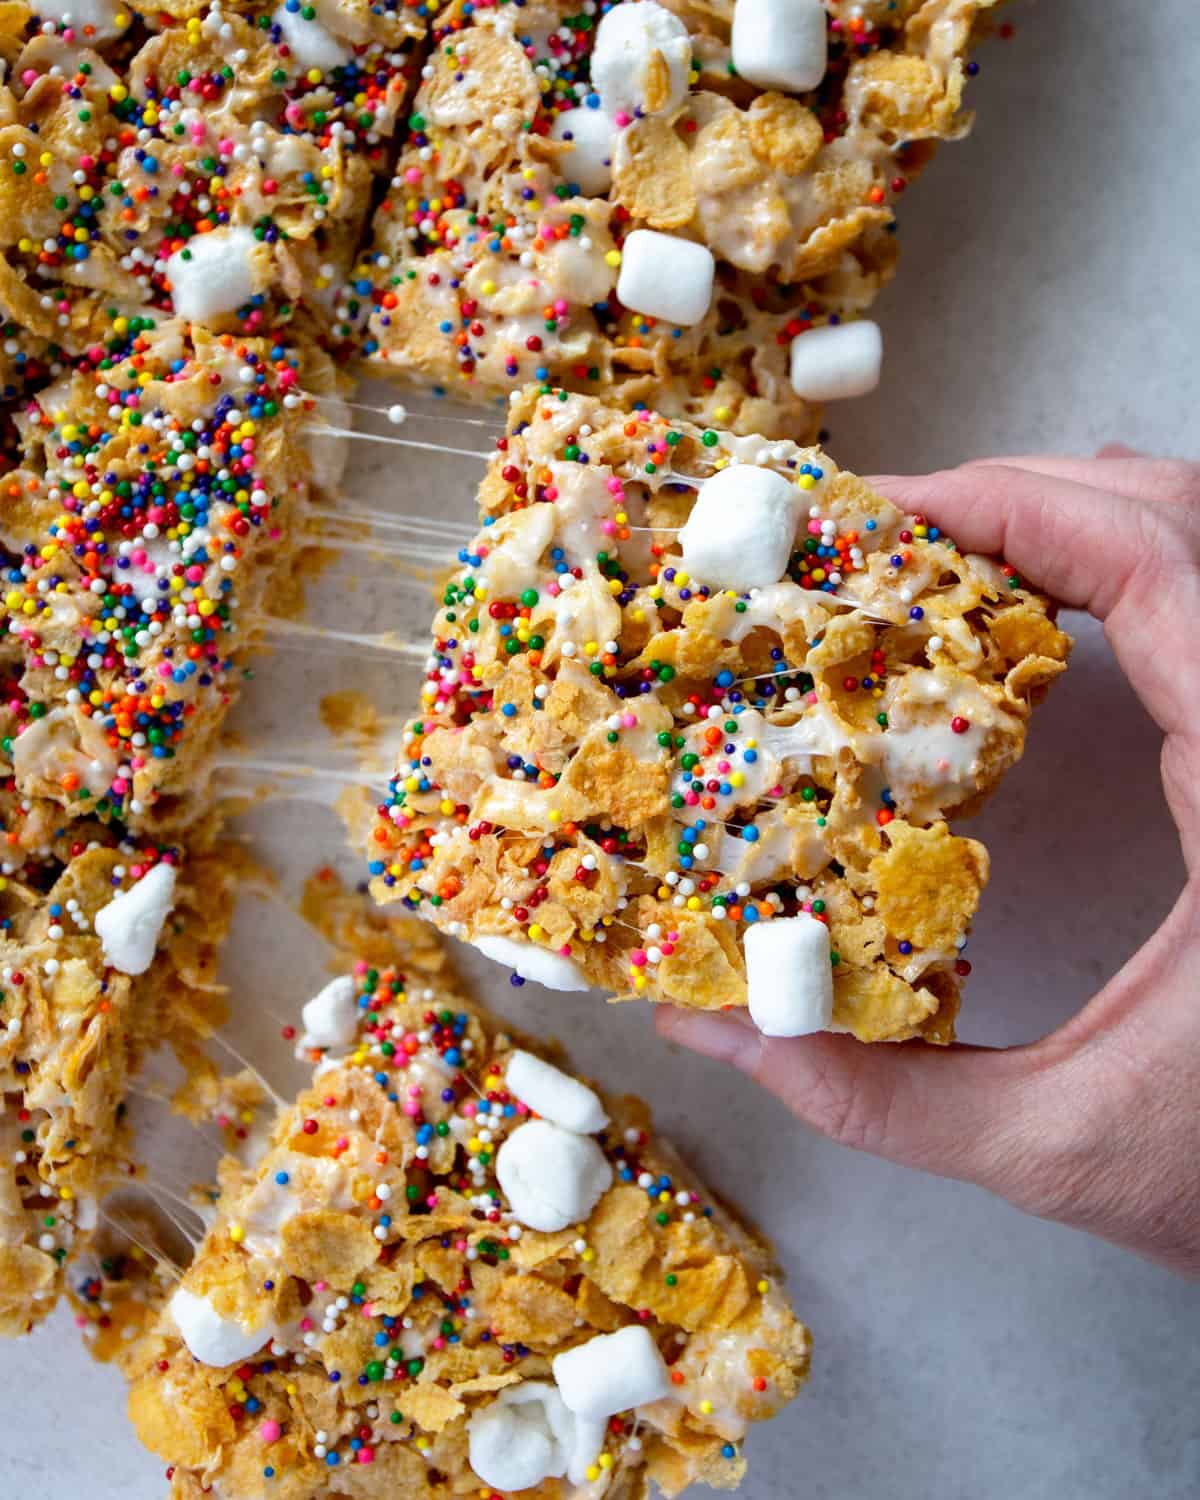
(463, 1267)
(212, 161)
(697, 709)
(158, 490)
(678, 200)
(107, 951)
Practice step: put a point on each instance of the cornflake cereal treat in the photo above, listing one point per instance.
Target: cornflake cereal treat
(160, 487)
(462, 1266)
(107, 951)
(212, 162)
(629, 197)
(697, 710)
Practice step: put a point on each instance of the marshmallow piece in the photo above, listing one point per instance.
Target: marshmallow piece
(837, 361)
(742, 528)
(311, 44)
(527, 1435)
(212, 1339)
(593, 139)
(626, 72)
(789, 976)
(331, 1016)
(612, 1372)
(99, 15)
(666, 277)
(780, 44)
(214, 273)
(555, 1095)
(550, 1176)
(554, 970)
(129, 926)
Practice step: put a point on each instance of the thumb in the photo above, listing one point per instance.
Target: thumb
(958, 1111)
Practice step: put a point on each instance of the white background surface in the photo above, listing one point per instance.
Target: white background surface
(1047, 299)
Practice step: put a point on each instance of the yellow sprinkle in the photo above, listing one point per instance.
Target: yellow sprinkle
(693, 903)
(806, 482)
(706, 1407)
(763, 1287)
(536, 931)
(445, 807)
(722, 414)
(236, 1233)
(554, 816)
(612, 258)
(593, 1471)
(606, 1461)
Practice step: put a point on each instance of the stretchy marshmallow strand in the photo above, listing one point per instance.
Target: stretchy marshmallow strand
(212, 1339)
(666, 277)
(550, 1176)
(592, 135)
(527, 1434)
(310, 44)
(626, 69)
(331, 1016)
(553, 970)
(612, 1372)
(129, 926)
(789, 976)
(214, 273)
(780, 44)
(837, 361)
(554, 1095)
(742, 528)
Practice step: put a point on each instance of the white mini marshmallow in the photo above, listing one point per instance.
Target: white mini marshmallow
(527, 1434)
(742, 528)
(214, 273)
(311, 44)
(129, 926)
(555, 1095)
(666, 277)
(593, 138)
(98, 15)
(627, 39)
(789, 976)
(837, 361)
(780, 44)
(611, 1373)
(550, 1176)
(554, 970)
(331, 1016)
(212, 1339)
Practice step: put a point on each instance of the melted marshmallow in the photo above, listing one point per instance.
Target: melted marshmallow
(214, 273)
(331, 1016)
(592, 134)
(612, 1372)
(788, 975)
(550, 1176)
(554, 970)
(742, 528)
(210, 1338)
(626, 71)
(312, 46)
(554, 1095)
(129, 926)
(95, 19)
(527, 1434)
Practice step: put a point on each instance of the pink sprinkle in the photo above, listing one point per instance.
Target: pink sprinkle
(638, 958)
(412, 1110)
(366, 1455)
(628, 721)
(623, 118)
(270, 1431)
(814, 528)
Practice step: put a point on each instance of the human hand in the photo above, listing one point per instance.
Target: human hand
(1097, 1125)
